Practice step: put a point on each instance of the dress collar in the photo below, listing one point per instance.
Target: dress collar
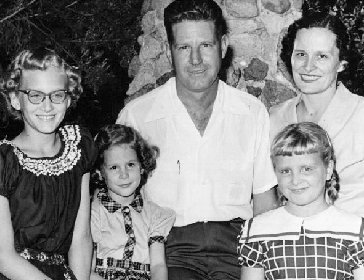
(112, 206)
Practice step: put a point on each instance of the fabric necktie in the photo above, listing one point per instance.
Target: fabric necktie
(129, 246)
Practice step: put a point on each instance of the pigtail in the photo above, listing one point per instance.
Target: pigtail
(333, 187)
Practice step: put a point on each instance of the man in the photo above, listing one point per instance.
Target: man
(214, 143)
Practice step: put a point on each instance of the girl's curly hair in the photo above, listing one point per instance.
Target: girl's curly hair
(117, 134)
(40, 58)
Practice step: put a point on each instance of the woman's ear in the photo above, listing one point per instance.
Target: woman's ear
(14, 100)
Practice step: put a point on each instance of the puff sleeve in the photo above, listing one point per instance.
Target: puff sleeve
(161, 222)
(89, 151)
(355, 254)
(9, 170)
(251, 254)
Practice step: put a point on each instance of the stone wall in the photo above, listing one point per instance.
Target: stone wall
(253, 64)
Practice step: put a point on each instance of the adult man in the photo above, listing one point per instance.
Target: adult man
(214, 143)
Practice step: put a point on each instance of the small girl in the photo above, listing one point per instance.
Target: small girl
(308, 237)
(128, 231)
(44, 179)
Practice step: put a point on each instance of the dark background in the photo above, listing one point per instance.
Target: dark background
(100, 37)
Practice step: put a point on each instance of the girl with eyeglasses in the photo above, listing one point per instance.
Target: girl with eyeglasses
(44, 174)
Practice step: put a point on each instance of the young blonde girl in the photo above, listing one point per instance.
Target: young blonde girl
(44, 190)
(128, 231)
(308, 237)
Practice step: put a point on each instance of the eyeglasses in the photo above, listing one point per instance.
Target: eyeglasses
(37, 97)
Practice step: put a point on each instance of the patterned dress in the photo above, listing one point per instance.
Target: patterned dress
(123, 234)
(44, 196)
(328, 245)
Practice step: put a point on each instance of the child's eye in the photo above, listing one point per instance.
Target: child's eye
(132, 164)
(113, 167)
(284, 171)
(306, 169)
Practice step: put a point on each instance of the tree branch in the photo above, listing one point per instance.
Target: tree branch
(17, 11)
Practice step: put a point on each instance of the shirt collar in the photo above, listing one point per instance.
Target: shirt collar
(168, 103)
(112, 206)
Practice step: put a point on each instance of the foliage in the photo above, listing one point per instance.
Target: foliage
(351, 12)
(88, 32)
(98, 36)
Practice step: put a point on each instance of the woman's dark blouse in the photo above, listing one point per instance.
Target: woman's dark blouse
(44, 193)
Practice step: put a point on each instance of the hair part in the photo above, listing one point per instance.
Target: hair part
(40, 58)
(194, 10)
(308, 138)
(316, 20)
(117, 134)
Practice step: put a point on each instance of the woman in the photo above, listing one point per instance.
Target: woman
(315, 51)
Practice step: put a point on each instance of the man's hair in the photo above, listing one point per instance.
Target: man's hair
(194, 10)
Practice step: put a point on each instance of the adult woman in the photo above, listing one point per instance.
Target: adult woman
(315, 50)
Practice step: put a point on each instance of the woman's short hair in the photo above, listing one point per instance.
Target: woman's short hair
(312, 20)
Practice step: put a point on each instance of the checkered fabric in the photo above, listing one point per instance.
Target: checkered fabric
(113, 269)
(159, 238)
(323, 257)
(112, 206)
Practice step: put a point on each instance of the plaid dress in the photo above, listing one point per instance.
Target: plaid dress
(328, 245)
(123, 234)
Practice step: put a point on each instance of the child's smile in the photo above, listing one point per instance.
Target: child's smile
(301, 179)
(121, 171)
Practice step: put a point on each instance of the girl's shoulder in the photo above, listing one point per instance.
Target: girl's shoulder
(78, 147)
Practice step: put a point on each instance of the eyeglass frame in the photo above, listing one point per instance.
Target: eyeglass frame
(50, 94)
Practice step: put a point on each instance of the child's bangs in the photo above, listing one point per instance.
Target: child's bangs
(295, 146)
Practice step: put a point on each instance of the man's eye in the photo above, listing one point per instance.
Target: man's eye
(284, 171)
(206, 45)
(323, 56)
(183, 48)
(113, 167)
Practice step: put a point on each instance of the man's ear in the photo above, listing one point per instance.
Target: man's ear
(224, 45)
(342, 66)
(14, 100)
(167, 50)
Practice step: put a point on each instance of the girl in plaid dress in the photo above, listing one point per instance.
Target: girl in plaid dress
(128, 231)
(307, 237)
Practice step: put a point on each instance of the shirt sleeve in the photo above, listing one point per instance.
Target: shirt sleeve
(162, 220)
(355, 254)
(264, 177)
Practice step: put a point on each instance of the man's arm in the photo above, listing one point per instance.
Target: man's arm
(265, 201)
